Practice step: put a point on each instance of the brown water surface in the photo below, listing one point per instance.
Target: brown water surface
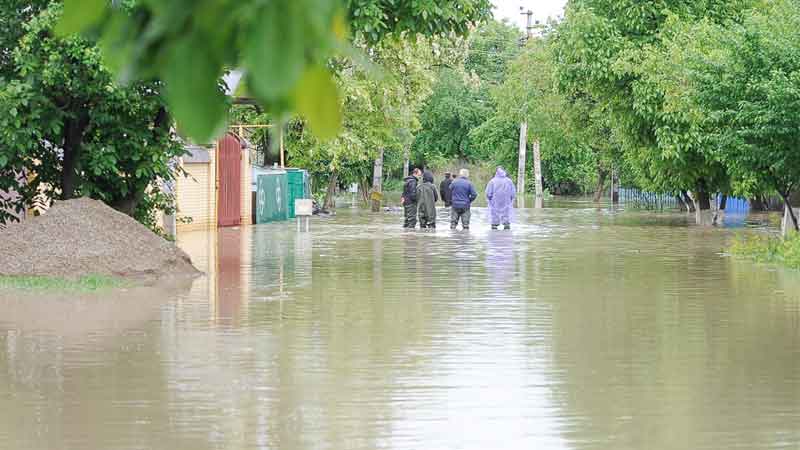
(582, 328)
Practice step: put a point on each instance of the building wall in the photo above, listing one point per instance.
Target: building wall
(197, 195)
(247, 197)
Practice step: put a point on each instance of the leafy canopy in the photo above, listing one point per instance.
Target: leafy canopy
(69, 130)
(283, 46)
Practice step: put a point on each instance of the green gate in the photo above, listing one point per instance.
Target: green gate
(297, 188)
(272, 198)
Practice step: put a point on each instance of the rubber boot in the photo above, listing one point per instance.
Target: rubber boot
(494, 227)
(507, 226)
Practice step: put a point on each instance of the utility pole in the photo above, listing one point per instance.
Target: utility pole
(537, 171)
(406, 160)
(523, 144)
(523, 139)
(377, 182)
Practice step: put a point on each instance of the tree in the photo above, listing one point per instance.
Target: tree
(12, 14)
(744, 81)
(283, 47)
(607, 49)
(380, 106)
(573, 135)
(456, 107)
(71, 131)
(461, 100)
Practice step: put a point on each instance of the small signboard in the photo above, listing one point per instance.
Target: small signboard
(303, 207)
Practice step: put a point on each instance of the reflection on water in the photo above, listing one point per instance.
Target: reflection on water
(582, 328)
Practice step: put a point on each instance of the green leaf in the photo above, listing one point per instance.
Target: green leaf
(274, 53)
(3, 160)
(317, 98)
(79, 15)
(193, 94)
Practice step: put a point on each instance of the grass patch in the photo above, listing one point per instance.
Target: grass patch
(769, 249)
(89, 283)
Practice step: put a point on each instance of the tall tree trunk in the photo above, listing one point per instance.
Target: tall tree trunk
(73, 138)
(690, 206)
(757, 203)
(601, 183)
(703, 213)
(330, 195)
(681, 203)
(363, 186)
(703, 200)
(719, 214)
(614, 186)
(788, 211)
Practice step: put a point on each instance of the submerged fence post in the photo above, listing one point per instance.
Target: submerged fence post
(303, 209)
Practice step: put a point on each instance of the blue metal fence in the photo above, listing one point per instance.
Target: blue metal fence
(647, 200)
(650, 200)
(734, 204)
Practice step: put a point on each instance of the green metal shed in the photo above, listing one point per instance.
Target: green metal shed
(298, 182)
(272, 197)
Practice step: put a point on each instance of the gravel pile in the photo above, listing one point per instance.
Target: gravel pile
(86, 237)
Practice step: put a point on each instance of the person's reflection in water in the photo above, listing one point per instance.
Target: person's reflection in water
(500, 263)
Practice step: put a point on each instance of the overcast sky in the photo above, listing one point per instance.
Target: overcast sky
(542, 9)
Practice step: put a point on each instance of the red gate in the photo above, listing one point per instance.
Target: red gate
(229, 168)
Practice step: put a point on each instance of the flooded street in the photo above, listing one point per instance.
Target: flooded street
(581, 328)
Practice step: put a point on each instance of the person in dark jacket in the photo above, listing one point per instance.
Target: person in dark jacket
(409, 199)
(444, 189)
(463, 194)
(427, 198)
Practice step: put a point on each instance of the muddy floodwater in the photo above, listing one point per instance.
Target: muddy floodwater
(581, 328)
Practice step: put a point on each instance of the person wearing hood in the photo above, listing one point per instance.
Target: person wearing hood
(409, 199)
(500, 192)
(427, 198)
(444, 189)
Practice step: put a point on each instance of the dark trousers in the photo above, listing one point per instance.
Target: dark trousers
(410, 210)
(425, 221)
(462, 214)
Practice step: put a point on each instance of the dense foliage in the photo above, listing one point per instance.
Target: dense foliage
(283, 47)
(69, 130)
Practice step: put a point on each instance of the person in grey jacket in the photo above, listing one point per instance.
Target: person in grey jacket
(427, 198)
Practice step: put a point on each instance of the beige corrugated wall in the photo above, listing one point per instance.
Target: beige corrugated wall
(197, 195)
(247, 199)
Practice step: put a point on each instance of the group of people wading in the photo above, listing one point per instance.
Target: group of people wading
(420, 198)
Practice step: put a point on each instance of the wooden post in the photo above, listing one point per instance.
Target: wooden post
(614, 186)
(283, 161)
(377, 182)
(523, 143)
(537, 169)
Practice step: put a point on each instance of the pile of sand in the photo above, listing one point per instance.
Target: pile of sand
(86, 237)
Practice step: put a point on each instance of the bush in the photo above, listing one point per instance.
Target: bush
(769, 249)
